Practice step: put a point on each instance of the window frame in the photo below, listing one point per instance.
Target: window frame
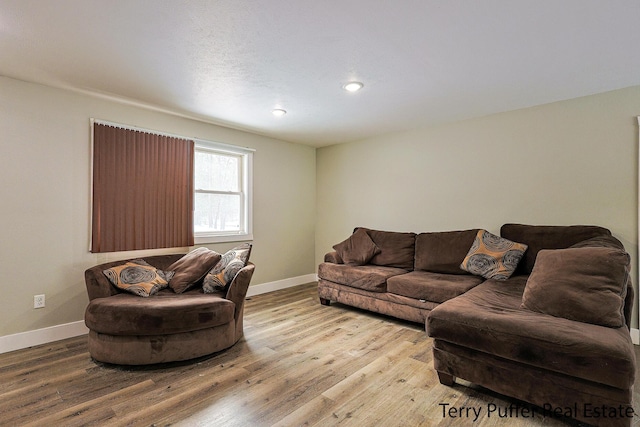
(246, 193)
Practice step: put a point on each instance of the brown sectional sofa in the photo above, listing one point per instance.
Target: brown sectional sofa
(483, 330)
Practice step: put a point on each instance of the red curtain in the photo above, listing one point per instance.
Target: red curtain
(142, 190)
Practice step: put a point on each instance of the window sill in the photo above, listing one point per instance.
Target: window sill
(200, 240)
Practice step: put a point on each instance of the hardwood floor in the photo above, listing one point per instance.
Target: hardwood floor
(299, 363)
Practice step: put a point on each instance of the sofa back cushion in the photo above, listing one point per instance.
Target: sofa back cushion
(396, 249)
(600, 242)
(585, 284)
(443, 252)
(613, 243)
(357, 249)
(538, 237)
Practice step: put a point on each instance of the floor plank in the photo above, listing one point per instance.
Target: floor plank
(299, 364)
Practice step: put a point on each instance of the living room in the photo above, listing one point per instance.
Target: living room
(561, 161)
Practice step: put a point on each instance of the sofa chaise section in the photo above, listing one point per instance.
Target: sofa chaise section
(489, 337)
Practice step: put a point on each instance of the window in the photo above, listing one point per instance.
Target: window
(154, 190)
(222, 195)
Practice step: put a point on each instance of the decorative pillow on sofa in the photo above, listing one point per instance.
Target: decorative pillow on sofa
(493, 257)
(586, 284)
(191, 268)
(220, 277)
(138, 277)
(358, 249)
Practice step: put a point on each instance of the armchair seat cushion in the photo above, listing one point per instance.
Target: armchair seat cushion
(162, 314)
(489, 319)
(434, 287)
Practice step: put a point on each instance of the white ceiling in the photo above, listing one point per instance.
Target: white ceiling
(231, 62)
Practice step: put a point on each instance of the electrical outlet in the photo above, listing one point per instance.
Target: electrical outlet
(38, 301)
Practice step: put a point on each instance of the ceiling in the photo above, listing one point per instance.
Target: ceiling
(231, 62)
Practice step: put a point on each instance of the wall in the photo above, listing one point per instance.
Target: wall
(44, 208)
(570, 162)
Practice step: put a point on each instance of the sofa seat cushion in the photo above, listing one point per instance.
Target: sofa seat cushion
(386, 303)
(488, 318)
(161, 314)
(369, 277)
(434, 287)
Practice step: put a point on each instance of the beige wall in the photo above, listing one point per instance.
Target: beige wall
(44, 194)
(565, 163)
(571, 162)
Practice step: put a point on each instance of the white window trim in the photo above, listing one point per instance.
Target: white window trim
(246, 154)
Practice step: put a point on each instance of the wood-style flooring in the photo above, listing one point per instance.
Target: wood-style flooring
(299, 364)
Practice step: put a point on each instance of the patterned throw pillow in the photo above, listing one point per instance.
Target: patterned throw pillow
(220, 276)
(493, 257)
(138, 277)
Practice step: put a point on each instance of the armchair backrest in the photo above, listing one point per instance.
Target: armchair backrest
(98, 286)
(239, 286)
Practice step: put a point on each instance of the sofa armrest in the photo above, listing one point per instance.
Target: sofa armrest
(333, 258)
(238, 288)
(98, 286)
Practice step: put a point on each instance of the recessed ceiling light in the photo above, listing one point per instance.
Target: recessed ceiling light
(353, 86)
(278, 112)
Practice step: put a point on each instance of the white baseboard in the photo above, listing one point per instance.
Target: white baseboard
(41, 336)
(69, 330)
(263, 288)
